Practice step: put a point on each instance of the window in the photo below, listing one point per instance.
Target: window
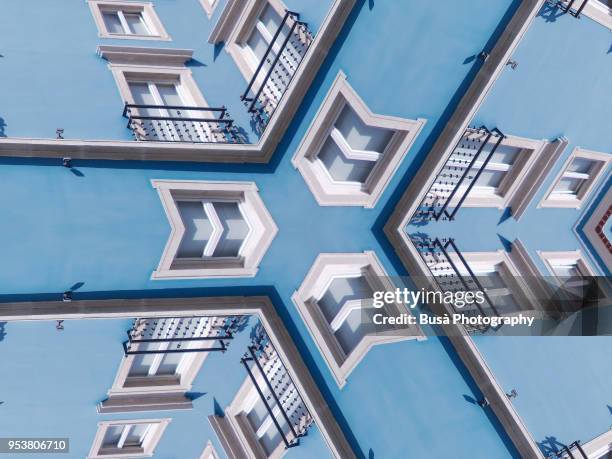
(598, 10)
(573, 185)
(349, 154)
(570, 269)
(219, 229)
(161, 99)
(498, 176)
(131, 20)
(335, 301)
(136, 438)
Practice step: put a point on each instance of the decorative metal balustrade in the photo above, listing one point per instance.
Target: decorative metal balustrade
(276, 389)
(572, 451)
(573, 7)
(173, 123)
(181, 334)
(460, 173)
(276, 69)
(452, 273)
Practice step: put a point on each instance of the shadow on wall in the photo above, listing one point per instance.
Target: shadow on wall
(2, 330)
(2, 126)
(550, 446)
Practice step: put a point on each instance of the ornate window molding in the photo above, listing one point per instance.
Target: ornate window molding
(343, 330)
(209, 6)
(574, 184)
(566, 264)
(349, 154)
(209, 452)
(595, 230)
(127, 20)
(228, 208)
(156, 374)
(130, 438)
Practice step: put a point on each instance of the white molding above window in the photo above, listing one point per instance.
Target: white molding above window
(379, 166)
(578, 178)
(137, 55)
(599, 447)
(556, 262)
(132, 20)
(209, 452)
(261, 229)
(328, 268)
(120, 445)
(599, 11)
(209, 6)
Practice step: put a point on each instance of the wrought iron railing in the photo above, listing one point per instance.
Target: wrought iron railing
(452, 273)
(276, 69)
(278, 393)
(174, 123)
(459, 174)
(572, 451)
(181, 334)
(573, 7)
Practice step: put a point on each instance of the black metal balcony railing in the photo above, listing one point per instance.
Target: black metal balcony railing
(452, 273)
(176, 334)
(573, 7)
(172, 123)
(457, 178)
(572, 451)
(278, 392)
(276, 68)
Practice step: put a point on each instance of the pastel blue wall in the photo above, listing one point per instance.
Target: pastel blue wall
(106, 227)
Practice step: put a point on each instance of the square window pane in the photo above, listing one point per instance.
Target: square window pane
(112, 436)
(581, 165)
(112, 22)
(136, 23)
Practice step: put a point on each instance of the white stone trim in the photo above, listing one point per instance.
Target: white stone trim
(182, 76)
(146, 9)
(209, 452)
(240, 426)
(572, 256)
(209, 6)
(202, 306)
(262, 229)
(326, 267)
(242, 27)
(597, 11)
(193, 364)
(329, 192)
(598, 446)
(603, 160)
(150, 442)
(137, 55)
(590, 230)
(260, 152)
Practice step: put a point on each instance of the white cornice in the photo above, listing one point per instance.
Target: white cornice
(144, 56)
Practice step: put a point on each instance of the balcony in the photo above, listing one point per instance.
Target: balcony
(173, 123)
(276, 69)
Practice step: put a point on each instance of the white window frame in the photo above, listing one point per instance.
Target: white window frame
(150, 441)
(513, 181)
(327, 267)
(328, 192)
(596, 11)
(242, 29)
(236, 415)
(524, 294)
(567, 258)
(602, 161)
(209, 6)
(209, 452)
(145, 9)
(262, 229)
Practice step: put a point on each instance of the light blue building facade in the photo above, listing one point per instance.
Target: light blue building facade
(201, 197)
